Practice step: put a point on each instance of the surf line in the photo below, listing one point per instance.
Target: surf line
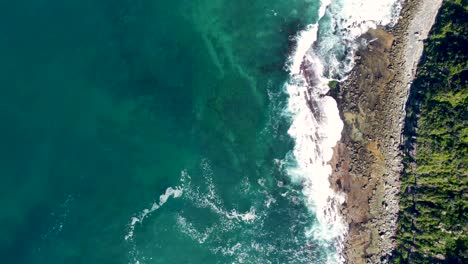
(316, 125)
(316, 128)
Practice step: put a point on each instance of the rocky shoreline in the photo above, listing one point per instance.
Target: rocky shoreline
(367, 161)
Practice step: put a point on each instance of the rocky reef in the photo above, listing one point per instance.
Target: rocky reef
(367, 161)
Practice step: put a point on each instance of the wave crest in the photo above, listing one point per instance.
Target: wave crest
(325, 51)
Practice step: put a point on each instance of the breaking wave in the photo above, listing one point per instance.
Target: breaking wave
(324, 51)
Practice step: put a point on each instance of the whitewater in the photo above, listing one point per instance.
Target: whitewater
(324, 52)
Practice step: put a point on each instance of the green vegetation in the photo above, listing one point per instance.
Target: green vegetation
(333, 84)
(434, 204)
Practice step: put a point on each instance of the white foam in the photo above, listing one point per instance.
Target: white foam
(246, 217)
(316, 125)
(170, 192)
(358, 16)
(212, 201)
(228, 221)
(188, 229)
(304, 40)
(349, 19)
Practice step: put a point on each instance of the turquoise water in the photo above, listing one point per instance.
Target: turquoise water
(106, 104)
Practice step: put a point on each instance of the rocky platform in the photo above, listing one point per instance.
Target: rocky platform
(367, 160)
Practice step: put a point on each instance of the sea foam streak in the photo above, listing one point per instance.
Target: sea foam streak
(316, 124)
(174, 192)
(202, 196)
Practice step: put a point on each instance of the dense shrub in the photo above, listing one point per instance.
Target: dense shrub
(434, 204)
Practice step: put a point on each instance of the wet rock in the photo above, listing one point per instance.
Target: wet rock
(367, 160)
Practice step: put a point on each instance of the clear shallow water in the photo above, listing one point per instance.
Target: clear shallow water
(170, 132)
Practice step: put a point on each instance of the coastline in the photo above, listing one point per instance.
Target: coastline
(367, 161)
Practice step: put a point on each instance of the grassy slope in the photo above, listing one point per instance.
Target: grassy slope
(434, 204)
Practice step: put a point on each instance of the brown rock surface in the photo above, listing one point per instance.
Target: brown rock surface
(360, 161)
(367, 160)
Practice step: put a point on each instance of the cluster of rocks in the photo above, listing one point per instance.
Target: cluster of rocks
(367, 161)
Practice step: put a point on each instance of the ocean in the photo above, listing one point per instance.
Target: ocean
(180, 131)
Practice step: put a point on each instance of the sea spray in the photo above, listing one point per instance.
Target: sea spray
(316, 125)
(345, 21)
